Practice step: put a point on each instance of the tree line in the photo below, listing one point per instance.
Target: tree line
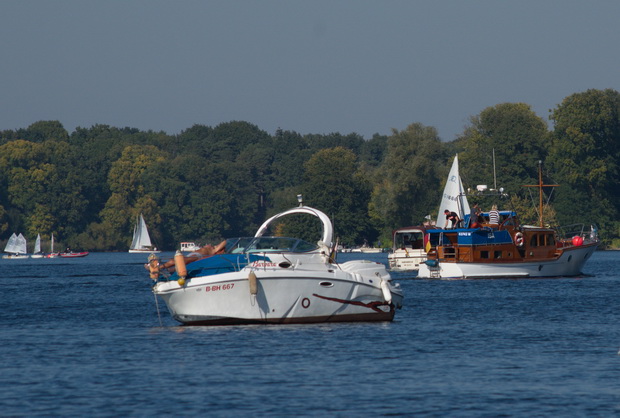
(206, 183)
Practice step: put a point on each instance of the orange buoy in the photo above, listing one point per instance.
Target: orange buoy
(180, 267)
(253, 282)
(577, 241)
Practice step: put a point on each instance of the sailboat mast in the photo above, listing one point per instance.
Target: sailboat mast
(540, 186)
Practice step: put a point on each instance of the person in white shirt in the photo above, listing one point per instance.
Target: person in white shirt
(494, 215)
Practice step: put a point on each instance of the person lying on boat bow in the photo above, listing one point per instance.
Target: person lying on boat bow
(203, 252)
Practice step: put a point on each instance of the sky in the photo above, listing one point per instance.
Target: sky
(313, 67)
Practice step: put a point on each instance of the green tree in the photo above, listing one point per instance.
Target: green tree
(129, 197)
(408, 188)
(333, 185)
(585, 155)
(515, 135)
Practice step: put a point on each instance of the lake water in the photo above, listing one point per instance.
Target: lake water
(83, 337)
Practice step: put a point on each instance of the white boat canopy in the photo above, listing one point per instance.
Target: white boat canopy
(328, 230)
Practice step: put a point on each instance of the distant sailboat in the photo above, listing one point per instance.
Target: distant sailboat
(37, 248)
(16, 248)
(453, 198)
(52, 254)
(141, 240)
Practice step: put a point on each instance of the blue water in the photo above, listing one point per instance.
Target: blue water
(83, 337)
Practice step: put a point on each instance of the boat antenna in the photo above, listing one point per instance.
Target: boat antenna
(540, 186)
(494, 174)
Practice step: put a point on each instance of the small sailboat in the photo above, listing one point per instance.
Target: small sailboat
(37, 248)
(52, 254)
(453, 198)
(16, 248)
(141, 242)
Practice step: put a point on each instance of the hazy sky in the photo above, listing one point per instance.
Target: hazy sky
(316, 66)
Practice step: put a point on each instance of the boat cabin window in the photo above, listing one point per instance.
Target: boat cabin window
(540, 240)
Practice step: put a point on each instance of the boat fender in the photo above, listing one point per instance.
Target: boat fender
(180, 267)
(253, 282)
(577, 241)
(519, 239)
(153, 267)
(385, 288)
(431, 263)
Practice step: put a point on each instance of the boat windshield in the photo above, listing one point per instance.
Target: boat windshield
(409, 239)
(279, 244)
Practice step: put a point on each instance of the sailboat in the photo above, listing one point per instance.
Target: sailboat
(141, 242)
(37, 248)
(408, 249)
(16, 248)
(52, 254)
(453, 198)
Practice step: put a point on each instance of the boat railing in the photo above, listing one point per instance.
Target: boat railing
(577, 230)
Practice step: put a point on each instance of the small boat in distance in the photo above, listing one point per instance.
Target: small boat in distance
(16, 248)
(407, 248)
(71, 254)
(36, 253)
(189, 247)
(277, 280)
(52, 254)
(141, 242)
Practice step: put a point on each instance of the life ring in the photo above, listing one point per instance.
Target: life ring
(519, 239)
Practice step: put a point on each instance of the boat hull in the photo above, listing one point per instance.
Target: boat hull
(406, 261)
(281, 298)
(569, 263)
(74, 255)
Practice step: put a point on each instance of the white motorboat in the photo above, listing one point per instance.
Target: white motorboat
(407, 249)
(141, 242)
(268, 279)
(189, 247)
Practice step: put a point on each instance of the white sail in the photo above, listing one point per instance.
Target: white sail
(52, 245)
(20, 246)
(453, 198)
(11, 246)
(37, 244)
(141, 240)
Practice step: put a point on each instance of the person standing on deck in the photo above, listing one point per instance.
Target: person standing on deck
(451, 217)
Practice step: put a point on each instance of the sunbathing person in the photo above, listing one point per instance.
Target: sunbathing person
(203, 252)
